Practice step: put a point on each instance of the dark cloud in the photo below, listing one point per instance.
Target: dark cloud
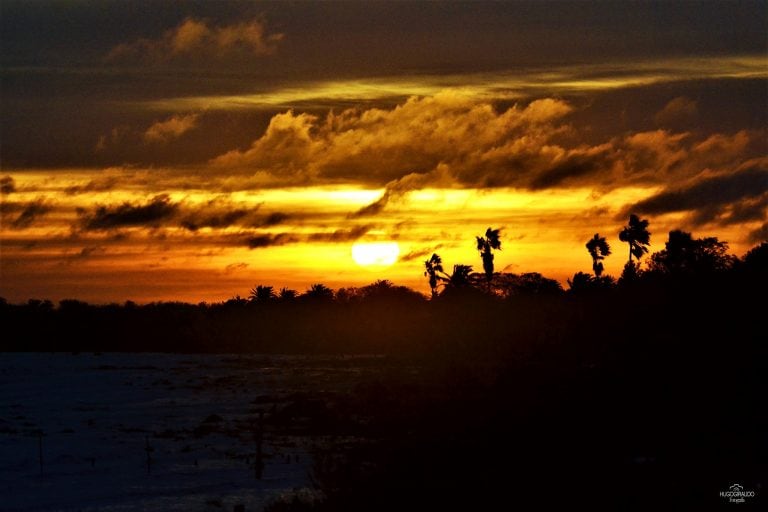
(7, 185)
(158, 209)
(88, 252)
(748, 210)
(213, 219)
(30, 212)
(420, 253)
(710, 195)
(58, 99)
(759, 235)
(235, 267)
(101, 184)
(273, 219)
(678, 110)
(576, 166)
(340, 235)
(275, 239)
(269, 240)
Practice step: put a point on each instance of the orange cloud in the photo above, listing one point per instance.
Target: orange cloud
(376, 145)
(172, 128)
(196, 38)
(677, 110)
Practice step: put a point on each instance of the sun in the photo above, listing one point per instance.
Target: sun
(375, 254)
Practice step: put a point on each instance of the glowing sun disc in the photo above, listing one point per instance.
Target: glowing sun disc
(375, 254)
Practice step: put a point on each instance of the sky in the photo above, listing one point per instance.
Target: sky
(190, 150)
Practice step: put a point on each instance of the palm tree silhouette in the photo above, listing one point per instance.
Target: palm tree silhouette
(598, 248)
(319, 291)
(287, 294)
(638, 237)
(486, 245)
(262, 294)
(459, 278)
(432, 266)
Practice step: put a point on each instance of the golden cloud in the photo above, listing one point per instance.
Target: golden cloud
(172, 128)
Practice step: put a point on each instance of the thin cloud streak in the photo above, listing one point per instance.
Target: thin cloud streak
(510, 85)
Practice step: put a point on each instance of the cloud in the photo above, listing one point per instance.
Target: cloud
(87, 252)
(420, 253)
(464, 142)
(153, 212)
(29, 212)
(275, 239)
(172, 128)
(396, 189)
(759, 235)
(269, 240)
(340, 235)
(376, 145)
(235, 267)
(195, 38)
(100, 184)
(116, 136)
(213, 219)
(678, 110)
(7, 185)
(728, 198)
(216, 213)
(273, 219)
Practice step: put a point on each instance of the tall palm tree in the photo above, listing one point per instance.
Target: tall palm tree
(486, 245)
(598, 248)
(432, 266)
(638, 237)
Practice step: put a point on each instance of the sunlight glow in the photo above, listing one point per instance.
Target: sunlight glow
(375, 254)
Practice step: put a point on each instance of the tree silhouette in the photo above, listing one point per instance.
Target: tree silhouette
(587, 283)
(319, 291)
(684, 254)
(598, 248)
(486, 245)
(261, 294)
(287, 294)
(432, 266)
(638, 237)
(756, 259)
(459, 278)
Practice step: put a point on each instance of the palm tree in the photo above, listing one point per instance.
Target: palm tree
(287, 294)
(598, 248)
(459, 278)
(262, 294)
(486, 245)
(433, 265)
(320, 292)
(638, 237)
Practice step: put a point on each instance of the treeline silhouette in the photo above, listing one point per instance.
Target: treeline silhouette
(486, 312)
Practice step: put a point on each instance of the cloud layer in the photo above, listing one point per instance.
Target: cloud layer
(452, 140)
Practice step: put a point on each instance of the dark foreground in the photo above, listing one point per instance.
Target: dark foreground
(640, 397)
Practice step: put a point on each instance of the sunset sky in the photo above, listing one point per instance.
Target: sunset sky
(158, 150)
